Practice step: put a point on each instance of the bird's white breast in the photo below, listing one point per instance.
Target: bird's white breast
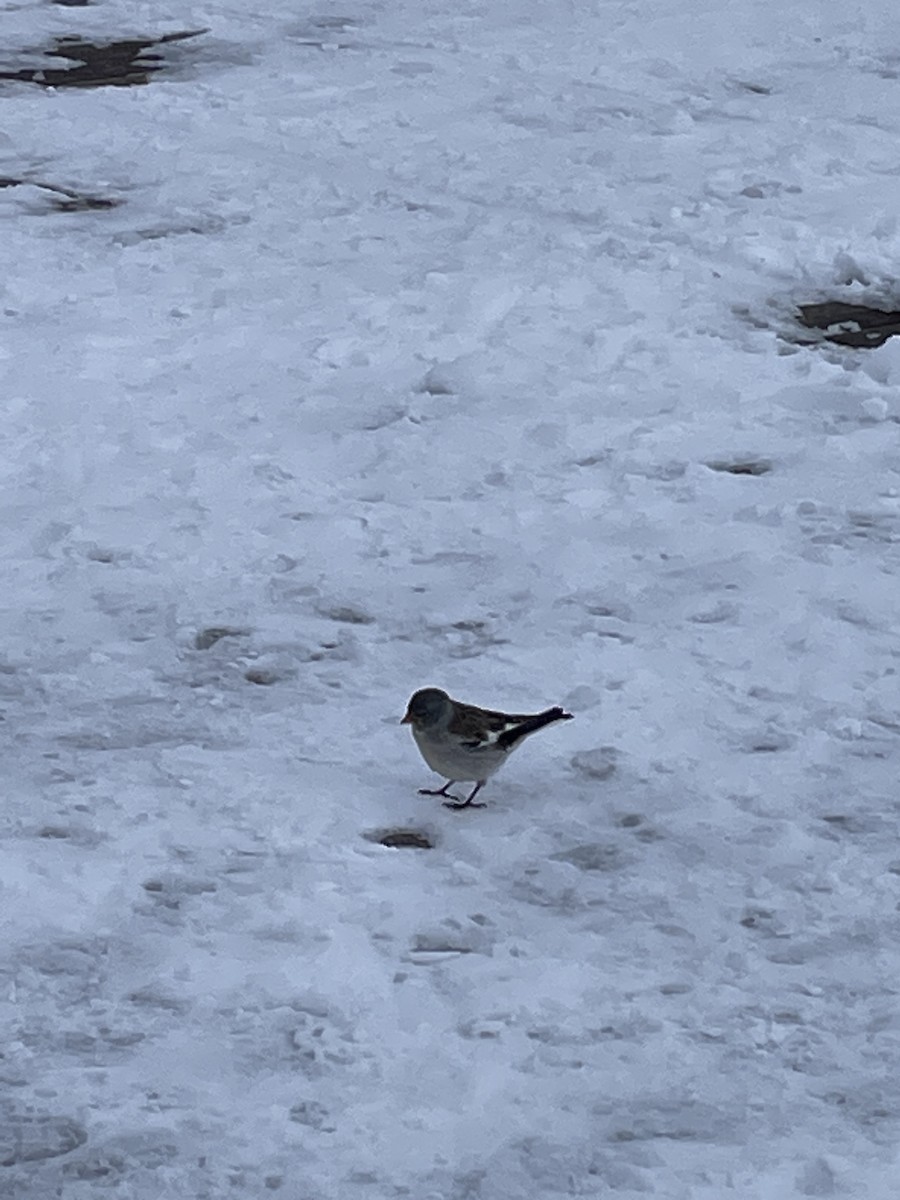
(454, 761)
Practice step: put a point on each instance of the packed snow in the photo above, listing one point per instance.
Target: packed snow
(400, 344)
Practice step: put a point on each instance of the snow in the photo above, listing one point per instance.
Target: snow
(417, 352)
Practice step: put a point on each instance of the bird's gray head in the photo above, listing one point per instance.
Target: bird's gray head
(427, 708)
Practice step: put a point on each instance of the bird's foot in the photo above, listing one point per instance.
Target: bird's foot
(463, 804)
(440, 792)
(469, 801)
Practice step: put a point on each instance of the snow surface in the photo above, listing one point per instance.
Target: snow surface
(403, 362)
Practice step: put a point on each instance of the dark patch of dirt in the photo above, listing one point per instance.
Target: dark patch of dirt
(854, 325)
(741, 466)
(266, 676)
(64, 199)
(205, 639)
(127, 63)
(401, 839)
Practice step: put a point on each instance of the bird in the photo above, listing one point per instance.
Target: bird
(464, 742)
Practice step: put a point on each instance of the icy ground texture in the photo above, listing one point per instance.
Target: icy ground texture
(403, 362)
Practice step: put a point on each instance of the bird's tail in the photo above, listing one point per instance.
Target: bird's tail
(511, 737)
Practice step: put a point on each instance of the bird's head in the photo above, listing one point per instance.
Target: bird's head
(426, 709)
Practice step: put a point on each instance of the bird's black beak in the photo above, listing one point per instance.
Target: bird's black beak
(407, 720)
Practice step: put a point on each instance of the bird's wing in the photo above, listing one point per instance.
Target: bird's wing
(479, 728)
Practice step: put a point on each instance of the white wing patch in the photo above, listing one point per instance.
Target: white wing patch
(491, 737)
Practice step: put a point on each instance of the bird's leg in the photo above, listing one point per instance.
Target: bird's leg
(468, 802)
(440, 791)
